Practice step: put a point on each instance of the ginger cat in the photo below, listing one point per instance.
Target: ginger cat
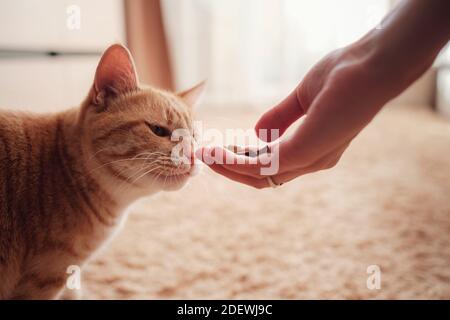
(66, 179)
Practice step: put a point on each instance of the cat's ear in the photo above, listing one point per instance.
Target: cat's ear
(192, 96)
(115, 74)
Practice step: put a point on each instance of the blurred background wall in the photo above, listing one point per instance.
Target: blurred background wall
(251, 52)
(32, 34)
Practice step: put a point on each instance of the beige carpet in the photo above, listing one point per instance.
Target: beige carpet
(387, 203)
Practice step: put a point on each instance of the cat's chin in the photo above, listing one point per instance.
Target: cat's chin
(170, 183)
(161, 182)
(173, 183)
(176, 182)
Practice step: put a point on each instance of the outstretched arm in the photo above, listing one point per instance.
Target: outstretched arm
(344, 91)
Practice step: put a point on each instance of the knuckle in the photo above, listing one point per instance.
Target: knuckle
(345, 73)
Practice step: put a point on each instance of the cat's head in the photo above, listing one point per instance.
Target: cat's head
(140, 136)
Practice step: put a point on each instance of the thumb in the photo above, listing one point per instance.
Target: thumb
(280, 117)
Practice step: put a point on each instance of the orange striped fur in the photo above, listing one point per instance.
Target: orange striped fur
(67, 179)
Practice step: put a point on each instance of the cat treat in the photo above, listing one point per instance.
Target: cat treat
(248, 151)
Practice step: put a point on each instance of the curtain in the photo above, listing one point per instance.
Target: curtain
(146, 39)
(253, 52)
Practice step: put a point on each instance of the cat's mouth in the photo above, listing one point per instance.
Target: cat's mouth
(172, 181)
(173, 177)
(176, 175)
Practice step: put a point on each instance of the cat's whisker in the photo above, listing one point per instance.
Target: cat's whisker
(155, 178)
(156, 160)
(128, 178)
(109, 148)
(116, 161)
(145, 163)
(126, 168)
(96, 153)
(152, 167)
(128, 181)
(136, 157)
(144, 174)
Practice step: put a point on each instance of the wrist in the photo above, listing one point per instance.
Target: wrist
(388, 68)
(407, 41)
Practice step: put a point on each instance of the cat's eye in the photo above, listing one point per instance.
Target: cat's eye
(160, 131)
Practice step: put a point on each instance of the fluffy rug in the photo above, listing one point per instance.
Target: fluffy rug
(387, 203)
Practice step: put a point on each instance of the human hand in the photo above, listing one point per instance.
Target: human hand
(337, 97)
